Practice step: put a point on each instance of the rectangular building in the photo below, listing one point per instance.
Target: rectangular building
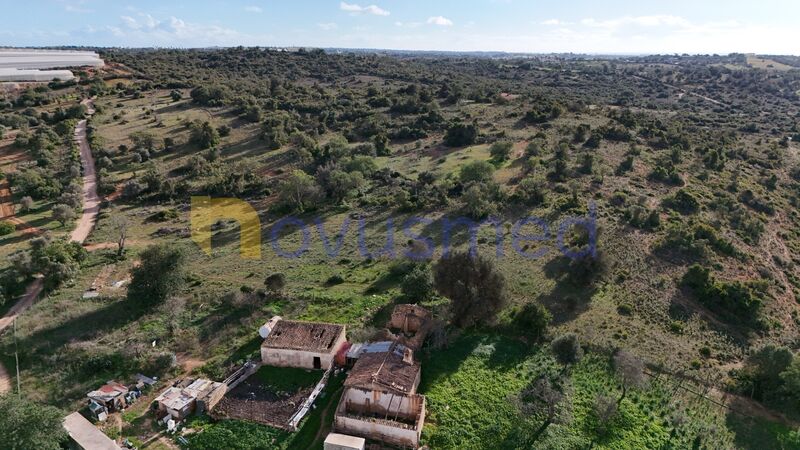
(305, 345)
(85, 436)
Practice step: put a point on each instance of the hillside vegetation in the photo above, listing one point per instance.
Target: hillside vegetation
(679, 331)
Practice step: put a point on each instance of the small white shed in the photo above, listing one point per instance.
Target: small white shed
(336, 441)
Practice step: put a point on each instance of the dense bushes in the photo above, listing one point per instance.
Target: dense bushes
(417, 285)
(209, 95)
(770, 374)
(739, 298)
(694, 240)
(543, 110)
(461, 135)
(57, 260)
(682, 201)
(6, 228)
(532, 320)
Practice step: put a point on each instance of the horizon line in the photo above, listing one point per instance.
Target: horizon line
(379, 49)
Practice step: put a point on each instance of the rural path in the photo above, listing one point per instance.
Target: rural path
(91, 202)
(91, 206)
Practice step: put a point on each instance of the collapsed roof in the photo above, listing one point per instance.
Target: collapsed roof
(304, 336)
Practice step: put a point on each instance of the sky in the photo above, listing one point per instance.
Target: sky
(535, 26)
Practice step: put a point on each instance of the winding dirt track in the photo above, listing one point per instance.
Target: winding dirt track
(91, 206)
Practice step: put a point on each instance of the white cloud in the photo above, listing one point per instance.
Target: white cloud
(75, 6)
(145, 30)
(439, 20)
(327, 26)
(408, 24)
(358, 9)
(639, 21)
(150, 21)
(130, 22)
(554, 22)
(253, 9)
(145, 21)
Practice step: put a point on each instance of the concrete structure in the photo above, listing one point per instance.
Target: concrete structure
(380, 400)
(394, 372)
(85, 436)
(336, 441)
(394, 419)
(306, 345)
(176, 403)
(200, 395)
(412, 323)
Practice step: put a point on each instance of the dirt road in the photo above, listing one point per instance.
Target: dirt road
(91, 206)
(91, 202)
(25, 302)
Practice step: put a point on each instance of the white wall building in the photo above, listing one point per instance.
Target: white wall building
(305, 345)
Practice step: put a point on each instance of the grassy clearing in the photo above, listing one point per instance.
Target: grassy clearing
(468, 387)
(287, 379)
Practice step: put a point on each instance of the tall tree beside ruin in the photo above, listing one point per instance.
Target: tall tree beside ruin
(474, 286)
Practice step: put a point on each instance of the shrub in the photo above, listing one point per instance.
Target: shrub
(334, 280)
(740, 298)
(461, 135)
(694, 241)
(639, 217)
(544, 111)
(625, 309)
(6, 228)
(566, 348)
(531, 191)
(665, 172)
(476, 172)
(625, 166)
(682, 201)
(533, 320)
(417, 285)
(500, 150)
(275, 284)
(165, 214)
